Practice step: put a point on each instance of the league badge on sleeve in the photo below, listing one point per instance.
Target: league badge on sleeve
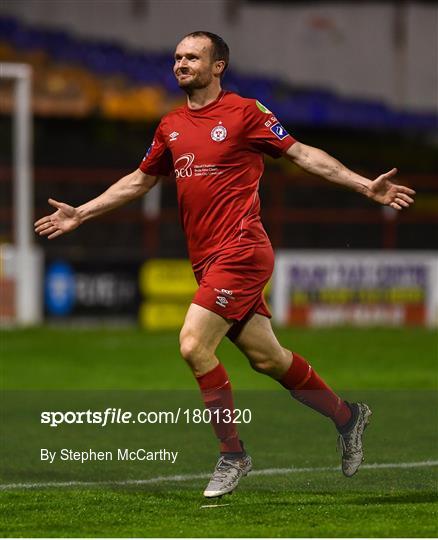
(279, 131)
(262, 108)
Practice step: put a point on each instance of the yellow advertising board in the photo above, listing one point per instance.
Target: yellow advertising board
(167, 287)
(167, 278)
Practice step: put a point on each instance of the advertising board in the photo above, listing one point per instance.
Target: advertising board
(91, 289)
(355, 288)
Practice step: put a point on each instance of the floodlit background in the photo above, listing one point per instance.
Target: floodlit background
(358, 80)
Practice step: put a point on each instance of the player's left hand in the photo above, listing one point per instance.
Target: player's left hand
(384, 191)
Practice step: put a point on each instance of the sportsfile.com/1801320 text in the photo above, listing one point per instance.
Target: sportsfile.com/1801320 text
(113, 415)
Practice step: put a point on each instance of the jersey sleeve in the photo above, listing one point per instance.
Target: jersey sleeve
(264, 132)
(158, 159)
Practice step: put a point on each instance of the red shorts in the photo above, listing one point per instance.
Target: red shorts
(232, 284)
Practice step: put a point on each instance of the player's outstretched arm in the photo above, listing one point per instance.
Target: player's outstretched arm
(382, 189)
(66, 218)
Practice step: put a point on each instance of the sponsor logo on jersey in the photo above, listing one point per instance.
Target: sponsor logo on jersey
(279, 131)
(173, 136)
(262, 107)
(184, 168)
(218, 133)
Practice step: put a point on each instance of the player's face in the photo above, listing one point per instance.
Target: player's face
(194, 66)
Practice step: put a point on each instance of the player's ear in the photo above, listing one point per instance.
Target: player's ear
(219, 67)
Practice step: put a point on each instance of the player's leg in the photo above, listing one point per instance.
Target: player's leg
(201, 334)
(199, 338)
(260, 345)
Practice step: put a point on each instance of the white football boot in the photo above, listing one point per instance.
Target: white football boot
(226, 475)
(350, 443)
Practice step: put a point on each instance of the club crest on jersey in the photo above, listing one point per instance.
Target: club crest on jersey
(218, 133)
(279, 131)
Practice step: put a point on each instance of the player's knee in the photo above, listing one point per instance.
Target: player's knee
(263, 365)
(272, 364)
(260, 366)
(191, 348)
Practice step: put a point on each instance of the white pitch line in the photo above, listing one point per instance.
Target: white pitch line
(188, 477)
(213, 505)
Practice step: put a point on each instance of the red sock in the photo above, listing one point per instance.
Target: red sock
(306, 386)
(216, 392)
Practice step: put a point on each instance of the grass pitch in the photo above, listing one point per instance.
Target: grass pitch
(295, 490)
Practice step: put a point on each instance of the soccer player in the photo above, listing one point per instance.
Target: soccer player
(214, 146)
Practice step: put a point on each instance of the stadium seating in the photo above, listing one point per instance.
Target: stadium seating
(78, 77)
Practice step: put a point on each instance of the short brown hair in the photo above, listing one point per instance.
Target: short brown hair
(219, 49)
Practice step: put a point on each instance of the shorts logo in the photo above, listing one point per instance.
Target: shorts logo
(184, 170)
(279, 131)
(225, 291)
(221, 298)
(221, 301)
(218, 133)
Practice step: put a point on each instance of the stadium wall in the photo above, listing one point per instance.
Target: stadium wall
(378, 51)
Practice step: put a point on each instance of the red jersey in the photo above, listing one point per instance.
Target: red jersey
(216, 154)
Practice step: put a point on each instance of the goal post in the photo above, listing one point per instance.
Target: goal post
(22, 263)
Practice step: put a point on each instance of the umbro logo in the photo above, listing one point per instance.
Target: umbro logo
(221, 301)
(224, 296)
(173, 136)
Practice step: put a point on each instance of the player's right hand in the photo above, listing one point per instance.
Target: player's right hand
(65, 219)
